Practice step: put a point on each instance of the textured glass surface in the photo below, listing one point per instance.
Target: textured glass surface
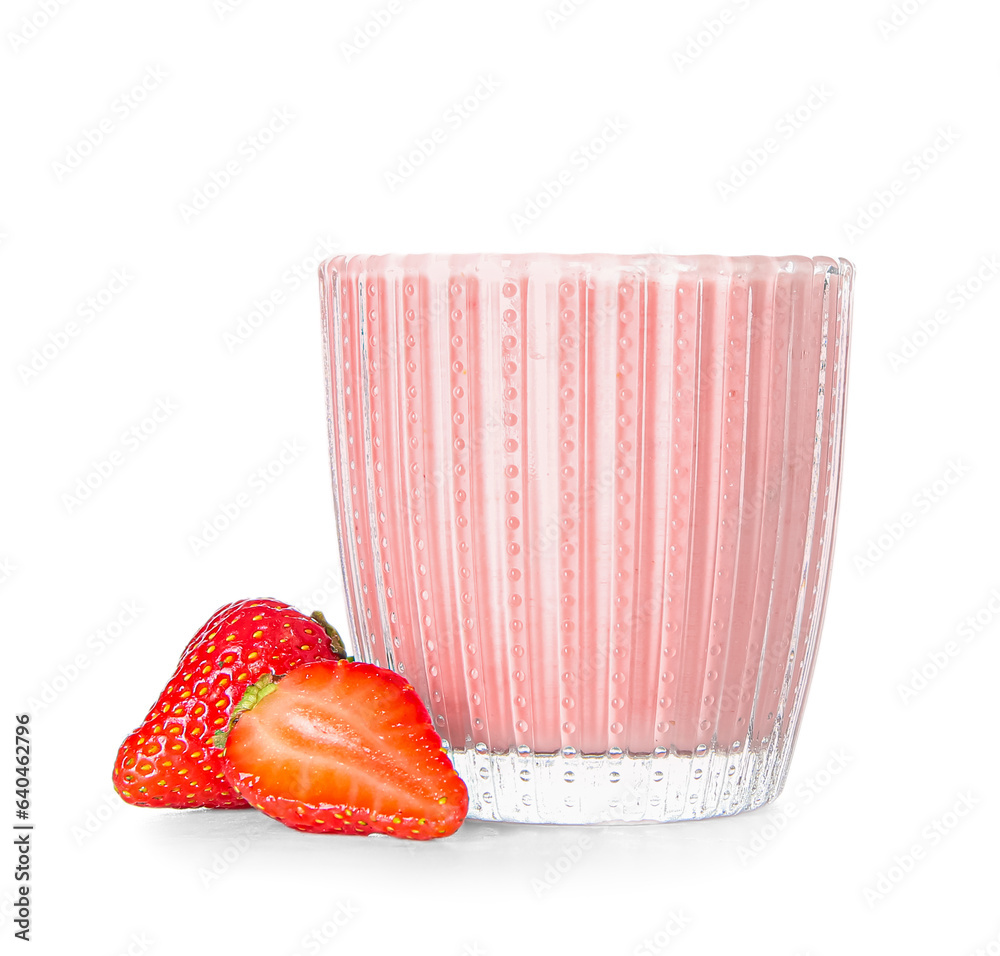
(587, 508)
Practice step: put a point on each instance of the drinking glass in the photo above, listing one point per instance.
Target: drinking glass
(587, 508)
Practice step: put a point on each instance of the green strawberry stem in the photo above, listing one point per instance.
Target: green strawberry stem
(336, 641)
(252, 696)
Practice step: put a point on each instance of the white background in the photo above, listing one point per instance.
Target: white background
(864, 851)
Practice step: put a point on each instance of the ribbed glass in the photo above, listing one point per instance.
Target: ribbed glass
(587, 508)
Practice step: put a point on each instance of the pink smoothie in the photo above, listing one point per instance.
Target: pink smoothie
(592, 508)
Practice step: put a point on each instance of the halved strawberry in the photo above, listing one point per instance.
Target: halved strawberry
(169, 761)
(343, 747)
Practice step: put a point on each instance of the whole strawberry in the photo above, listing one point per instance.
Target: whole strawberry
(169, 761)
(343, 747)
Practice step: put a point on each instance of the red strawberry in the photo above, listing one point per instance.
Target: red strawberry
(169, 761)
(343, 747)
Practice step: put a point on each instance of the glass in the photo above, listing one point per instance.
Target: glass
(587, 508)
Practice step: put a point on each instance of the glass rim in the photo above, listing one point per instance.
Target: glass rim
(650, 263)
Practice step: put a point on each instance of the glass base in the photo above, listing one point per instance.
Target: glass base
(572, 788)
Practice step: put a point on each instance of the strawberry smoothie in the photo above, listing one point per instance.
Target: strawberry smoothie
(587, 508)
